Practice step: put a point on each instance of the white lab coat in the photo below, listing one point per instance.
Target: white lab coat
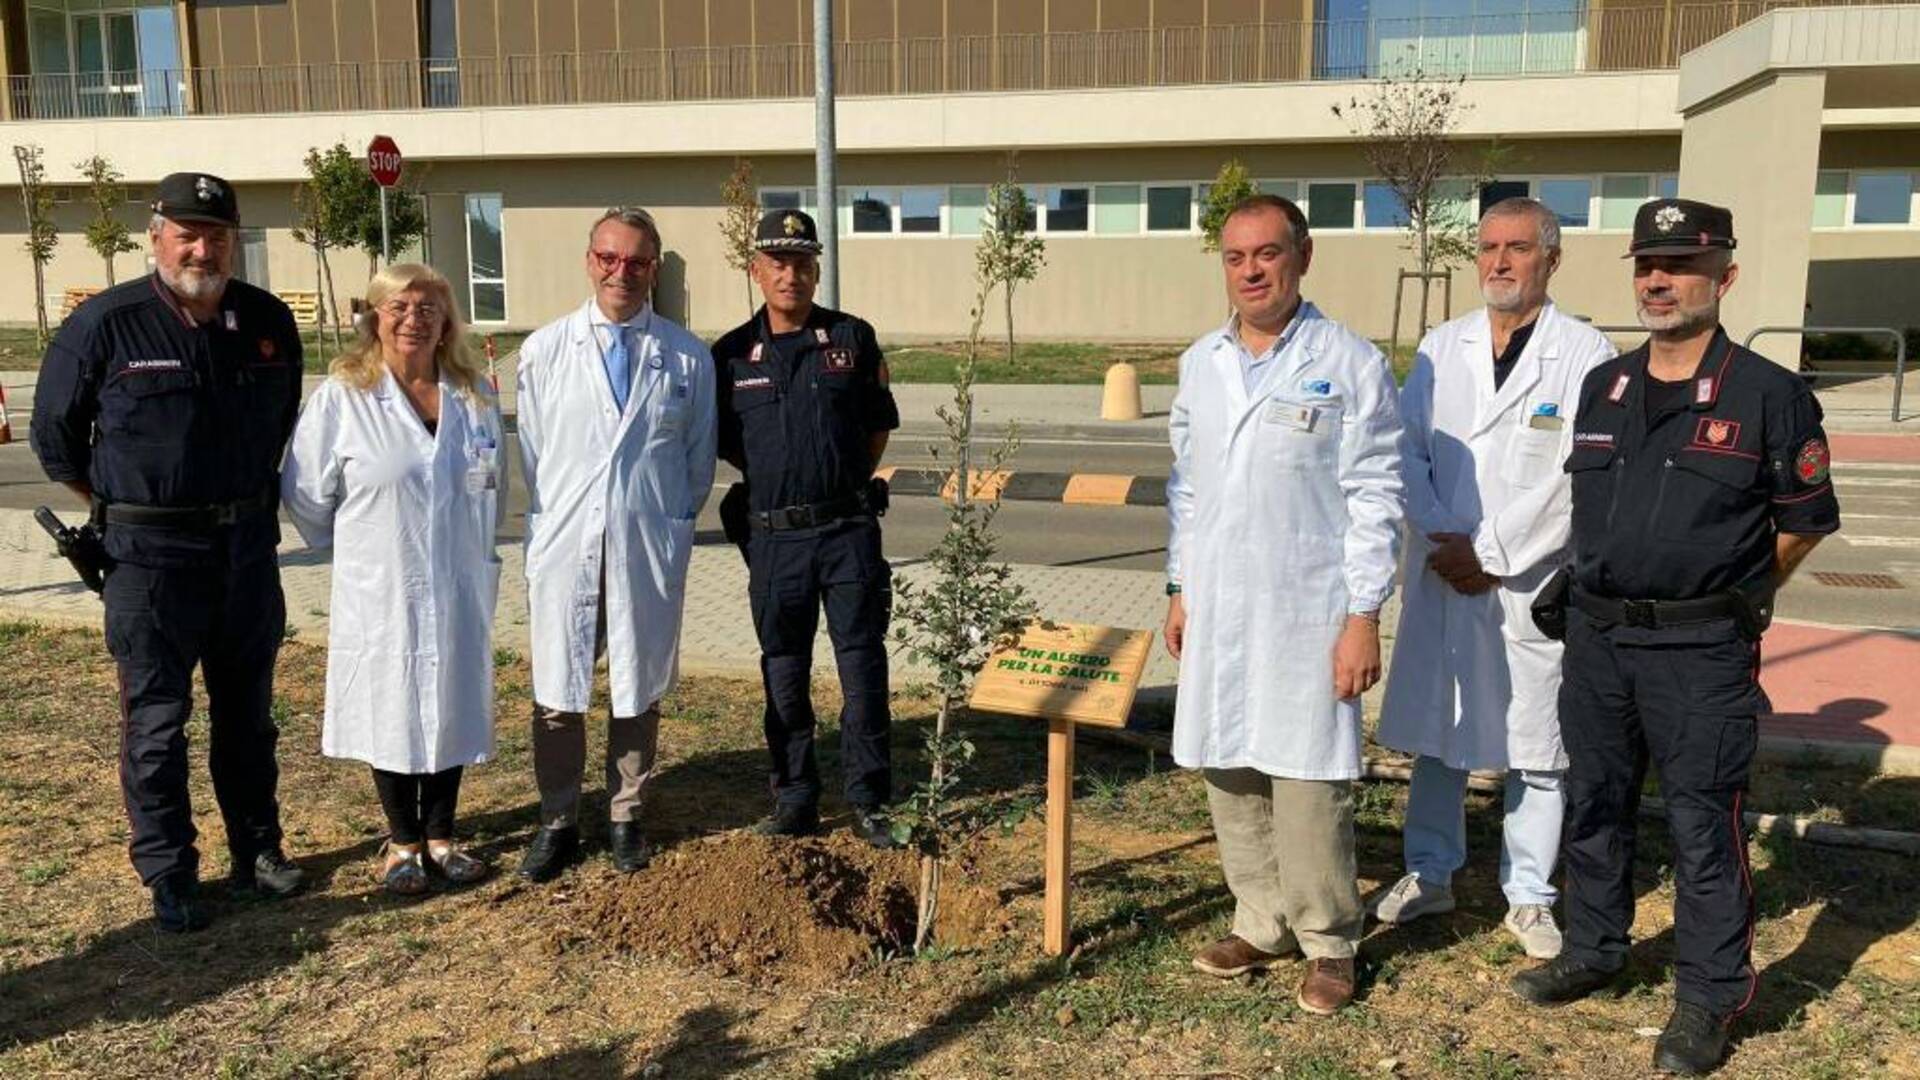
(1285, 508)
(612, 489)
(410, 518)
(1473, 682)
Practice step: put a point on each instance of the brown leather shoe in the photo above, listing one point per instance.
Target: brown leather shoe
(1232, 956)
(1328, 985)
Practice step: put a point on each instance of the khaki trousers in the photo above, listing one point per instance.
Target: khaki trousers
(560, 752)
(1286, 847)
(560, 761)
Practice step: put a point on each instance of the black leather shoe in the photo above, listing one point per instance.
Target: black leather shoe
(270, 873)
(630, 851)
(176, 905)
(551, 852)
(791, 819)
(1559, 981)
(870, 824)
(1693, 1043)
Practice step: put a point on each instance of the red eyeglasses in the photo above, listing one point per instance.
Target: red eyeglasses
(628, 265)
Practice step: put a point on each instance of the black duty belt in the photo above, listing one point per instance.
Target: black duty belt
(811, 515)
(185, 517)
(1657, 614)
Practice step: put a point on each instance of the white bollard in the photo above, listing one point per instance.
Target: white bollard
(1120, 399)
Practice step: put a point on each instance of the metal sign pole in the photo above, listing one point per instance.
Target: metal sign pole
(828, 200)
(386, 255)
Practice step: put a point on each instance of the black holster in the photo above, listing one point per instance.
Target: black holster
(1753, 607)
(82, 548)
(1549, 607)
(879, 496)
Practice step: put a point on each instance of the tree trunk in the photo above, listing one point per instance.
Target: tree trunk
(1009, 287)
(333, 300)
(40, 297)
(750, 303)
(109, 262)
(930, 859)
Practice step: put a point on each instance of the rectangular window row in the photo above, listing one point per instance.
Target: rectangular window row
(1606, 202)
(1864, 197)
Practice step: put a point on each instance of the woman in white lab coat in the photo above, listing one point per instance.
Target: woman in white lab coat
(396, 465)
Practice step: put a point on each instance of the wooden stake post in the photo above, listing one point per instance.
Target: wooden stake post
(1066, 674)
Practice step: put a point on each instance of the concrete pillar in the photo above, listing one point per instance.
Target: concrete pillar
(1756, 150)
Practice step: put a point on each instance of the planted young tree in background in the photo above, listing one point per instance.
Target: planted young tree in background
(107, 234)
(338, 180)
(1406, 123)
(1231, 184)
(36, 200)
(1009, 254)
(312, 228)
(969, 606)
(740, 221)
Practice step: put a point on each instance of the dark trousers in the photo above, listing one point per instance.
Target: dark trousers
(419, 806)
(791, 576)
(161, 624)
(1689, 710)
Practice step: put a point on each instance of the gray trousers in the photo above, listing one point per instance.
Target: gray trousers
(1286, 847)
(560, 762)
(560, 753)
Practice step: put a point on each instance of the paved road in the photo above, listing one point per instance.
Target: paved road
(1880, 504)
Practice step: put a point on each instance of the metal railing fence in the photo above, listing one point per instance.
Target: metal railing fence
(1577, 37)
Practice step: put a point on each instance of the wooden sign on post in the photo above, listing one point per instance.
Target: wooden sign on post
(1067, 674)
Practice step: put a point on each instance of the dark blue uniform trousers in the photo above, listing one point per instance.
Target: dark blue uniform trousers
(161, 624)
(1689, 709)
(791, 576)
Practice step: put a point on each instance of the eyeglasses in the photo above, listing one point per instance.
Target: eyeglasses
(629, 265)
(398, 310)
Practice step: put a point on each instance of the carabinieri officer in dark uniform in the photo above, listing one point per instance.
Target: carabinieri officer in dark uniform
(165, 402)
(1699, 483)
(804, 413)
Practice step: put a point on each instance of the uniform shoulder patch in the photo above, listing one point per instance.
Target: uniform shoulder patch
(1813, 461)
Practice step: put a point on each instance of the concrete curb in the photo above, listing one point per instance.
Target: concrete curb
(1071, 489)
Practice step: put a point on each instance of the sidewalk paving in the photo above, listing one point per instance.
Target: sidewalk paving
(1844, 692)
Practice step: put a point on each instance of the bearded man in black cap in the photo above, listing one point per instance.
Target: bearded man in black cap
(1700, 482)
(165, 403)
(804, 414)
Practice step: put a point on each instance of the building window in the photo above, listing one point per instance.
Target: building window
(1116, 209)
(486, 259)
(920, 210)
(966, 210)
(800, 199)
(251, 266)
(1620, 199)
(1067, 209)
(1170, 209)
(1031, 213)
(1329, 206)
(1383, 207)
(1882, 198)
(1667, 186)
(1495, 190)
(872, 209)
(1829, 199)
(1365, 38)
(1570, 201)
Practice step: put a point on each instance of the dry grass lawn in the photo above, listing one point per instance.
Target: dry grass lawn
(597, 976)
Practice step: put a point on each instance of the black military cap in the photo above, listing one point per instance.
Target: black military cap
(190, 196)
(787, 230)
(1680, 227)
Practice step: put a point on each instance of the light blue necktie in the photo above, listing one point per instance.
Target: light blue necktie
(619, 367)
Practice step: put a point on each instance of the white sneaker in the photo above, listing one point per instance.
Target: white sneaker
(1533, 924)
(1411, 897)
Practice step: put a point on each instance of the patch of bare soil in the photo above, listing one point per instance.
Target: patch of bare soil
(770, 910)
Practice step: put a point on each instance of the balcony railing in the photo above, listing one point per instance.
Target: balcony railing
(1578, 38)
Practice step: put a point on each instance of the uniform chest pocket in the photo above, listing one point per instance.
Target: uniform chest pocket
(1591, 467)
(1700, 492)
(1301, 435)
(148, 405)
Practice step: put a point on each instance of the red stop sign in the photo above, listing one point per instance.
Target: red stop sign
(383, 160)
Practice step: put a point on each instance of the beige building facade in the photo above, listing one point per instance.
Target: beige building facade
(522, 120)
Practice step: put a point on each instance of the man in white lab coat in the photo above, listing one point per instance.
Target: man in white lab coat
(616, 425)
(1474, 685)
(1285, 510)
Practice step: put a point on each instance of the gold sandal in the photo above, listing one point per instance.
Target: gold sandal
(401, 871)
(455, 865)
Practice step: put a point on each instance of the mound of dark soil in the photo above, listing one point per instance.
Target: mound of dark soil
(769, 909)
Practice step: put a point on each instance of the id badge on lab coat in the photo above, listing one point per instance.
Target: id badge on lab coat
(1305, 419)
(483, 470)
